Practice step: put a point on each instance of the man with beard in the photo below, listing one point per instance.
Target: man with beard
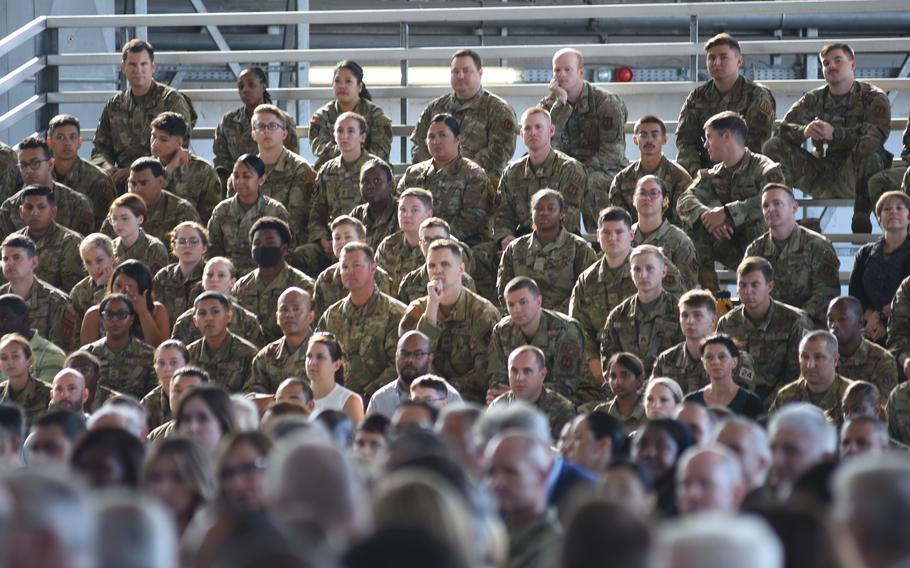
(412, 359)
(68, 391)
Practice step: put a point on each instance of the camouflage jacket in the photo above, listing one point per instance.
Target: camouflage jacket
(59, 263)
(48, 359)
(169, 212)
(147, 249)
(555, 406)
(379, 226)
(74, 211)
(633, 421)
(229, 229)
(157, 407)
(336, 192)
(677, 246)
(244, 324)
(871, 362)
(176, 291)
(329, 288)
(398, 258)
(33, 398)
(229, 364)
(674, 175)
(597, 291)
(322, 131)
(829, 402)
(50, 313)
(898, 410)
(86, 294)
(198, 183)
(646, 332)
(130, 370)
(678, 364)
(414, 284)
(234, 138)
(93, 182)
(10, 178)
(261, 297)
(274, 363)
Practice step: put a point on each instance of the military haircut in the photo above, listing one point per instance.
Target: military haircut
(450, 121)
(848, 51)
(420, 193)
(720, 339)
(90, 358)
(148, 163)
(33, 143)
(212, 295)
(661, 184)
(612, 214)
(171, 123)
(888, 196)
(755, 264)
(521, 283)
(268, 108)
(536, 110)
(137, 45)
(357, 117)
(38, 191)
(131, 201)
(19, 340)
(539, 356)
(650, 119)
(723, 39)
(173, 344)
(192, 371)
(699, 299)
(822, 336)
(547, 192)
(657, 252)
(71, 424)
(359, 227)
(475, 57)
(436, 383)
(579, 57)
(446, 244)
(198, 227)
(99, 241)
(851, 302)
(366, 249)
(779, 186)
(21, 241)
(628, 361)
(274, 223)
(437, 223)
(729, 121)
(382, 165)
(62, 120)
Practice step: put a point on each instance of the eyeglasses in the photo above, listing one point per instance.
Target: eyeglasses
(193, 241)
(32, 165)
(429, 240)
(270, 126)
(118, 315)
(412, 354)
(650, 194)
(243, 470)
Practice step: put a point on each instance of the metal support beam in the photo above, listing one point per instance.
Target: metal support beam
(21, 73)
(303, 67)
(48, 79)
(902, 74)
(141, 9)
(811, 59)
(215, 34)
(404, 83)
(693, 58)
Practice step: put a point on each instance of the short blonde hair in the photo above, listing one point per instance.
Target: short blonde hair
(97, 240)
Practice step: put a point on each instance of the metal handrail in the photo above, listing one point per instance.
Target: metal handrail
(22, 35)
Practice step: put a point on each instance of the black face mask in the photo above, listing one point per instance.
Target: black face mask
(267, 257)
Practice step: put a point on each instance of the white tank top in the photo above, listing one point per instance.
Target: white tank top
(335, 400)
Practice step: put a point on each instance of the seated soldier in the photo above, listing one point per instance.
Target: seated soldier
(68, 392)
(682, 363)
(164, 209)
(97, 253)
(229, 225)
(647, 323)
(125, 218)
(329, 285)
(225, 356)
(804, 261)
(58, 247)
(528, 323)
(769, 330)
(258, 291)
(284, 357)
(20, 386)
(625, 378)
(651, 201)
(219, 275)
(400, 253)
(185, 380)
(895, 178)
(365, 322)
(64, 140)
(170, 355)
(177, 284)
(550, 255)
(650, 135)
(818, 381)
(89, 367)
(414, 283)
(458, 321)
(848, 122)
(722, 207)
(10, 178)
(36, 164)
(50, 311)
(14, 318)
(378, 204)
(337, 187)
(188, 175)
(859, 358)
(527, 372)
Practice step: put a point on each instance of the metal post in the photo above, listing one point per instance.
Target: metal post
(303, 67)
(48, 79)
(404, 100)
(142, 32)
(693, 37)
(811, 60)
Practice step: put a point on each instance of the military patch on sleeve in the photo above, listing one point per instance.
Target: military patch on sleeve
(508, 125)
(608, 122)
(764, 107)
(746, 374)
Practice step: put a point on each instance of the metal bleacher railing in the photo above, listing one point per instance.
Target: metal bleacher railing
(43, 67)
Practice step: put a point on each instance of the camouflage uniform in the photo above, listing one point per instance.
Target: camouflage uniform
(559, 337)
(462, 195)
(147, 249)
(536, 544)
(677, 246)
(555, 266)
(558, 409)
(460, 340)
(227, 365)
(234, 138)
(414, 284)
(898, 410)
(398, 258)
(368, 336)
(379, 225)
(488, 130)
(157, 407)
(244, 324)
(336, 192)
(871, 362)
(93, 182)
(34, 397)
(59, 263)
(229, 229)
(48, 359)
(86, 294)
(674, 175)
(125, 128)
(198, 183)
(169, 212)
(805, 270)
(261, 298)
(74, 211)
(592, 130)
(176, 291)
(751, 100)
(892, 178)
(633, 421)
(322, 131)
(98, 398)
(289, 182)
(130, 370)
(830, 403)
(274, 363)
(329, 288)
(676, 363)
(843, 166)
(521, 180)
(10, 178)
(899, 324)
(738, 189)
(772, 342)
(644, 331)
(50, 313)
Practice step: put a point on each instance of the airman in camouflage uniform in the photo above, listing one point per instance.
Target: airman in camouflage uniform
(130, 370)
(899, 324)
(898, 409)
(86, 294)
(329, 288)
(261, 297)
(633, 421)
(50, 312)
(10, 178)
(175, 290)
(234, 138)
(558, 336)
(623, 186)
(33, 398)
(873, 363)
(893, 178)
(379, 224)
(274, 363)
(646, 332)
(244, 324)
(74, 211)
(829, 401)
(678, 364)
(336, 192)
(558, 409)
(163, 216)
(414, 284)
(147, 249)
(91, 181)
(228, 364)
(157, 407)
(48, 358)
(322, 131)
(678, 247)
(597, 291)
(196, 182)
(229, 229)
(59, 263)
(398, 258)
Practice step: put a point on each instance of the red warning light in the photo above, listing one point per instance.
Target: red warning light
(623, 74)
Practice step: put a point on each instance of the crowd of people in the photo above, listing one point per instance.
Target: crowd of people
(266, 362)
